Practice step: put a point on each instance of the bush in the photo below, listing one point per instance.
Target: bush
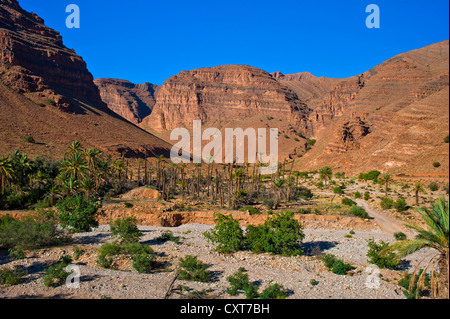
(108, 250)
(366, 196)
(126, 230)
(51, 102)
(168, 236)
(302, 192)
(387, 203)
(335, 265)
(400, 205)
(359, 212)
(56, 275)
(280, 234)
(143, 262)
(370, 176)
(77, 252)
(311, 141)
(30, 139)
(238, 281)
(436, 164)
(77, 213)
(375, 256)
(29, 233)
(338, 190)
(433, 187)
(348, 202)
(400, 236)
(11, 277)
(274, 291)
(193, 269)
(227, 234)
(446, 139)
(16, 254)
(357, 195)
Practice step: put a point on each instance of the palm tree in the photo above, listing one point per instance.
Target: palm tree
(92, 158)
(436, 236)
(6, 172)
(75, 166)
(53, 194)
(70, 187)
(88, 186)
(118, 166)
(418, 189)
(386, 179)
(75, 147)
(325, 174)
(278, 183)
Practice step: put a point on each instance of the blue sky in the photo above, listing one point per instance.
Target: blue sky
(149, 41)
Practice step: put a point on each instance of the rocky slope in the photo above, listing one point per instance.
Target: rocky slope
(132, 101)
(393, 117)
(230, 92)
(47, 92)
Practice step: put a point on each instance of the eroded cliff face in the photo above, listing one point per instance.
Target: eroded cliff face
(224, 93)
(34, 59)
(132, 101)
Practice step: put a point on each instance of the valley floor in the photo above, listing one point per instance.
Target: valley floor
(295, 273)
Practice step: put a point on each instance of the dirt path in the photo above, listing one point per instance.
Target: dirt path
(386, 223)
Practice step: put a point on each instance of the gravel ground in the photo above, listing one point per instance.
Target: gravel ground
(295, 273)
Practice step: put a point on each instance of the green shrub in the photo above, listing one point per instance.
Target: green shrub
(29, 233)
(436, 164)
(311, 141)
(168, 236)
(126, 230)
(357, 195)
(400, 205)
(382, 260)
(366, 196)
(128, 205)
(227, 234)
(336, 265)
(51, 102)
(387, 203)
(446, 139)
(370, 176)
(193, 269)
(280, 234)
(56, 275)
(143, 262)
(104, 261)
(338, 190)
(238, 281)
(400, 236)
(77, 213)
(302, 192)
(274, 291)
(30, 139)
(433, 187)
(16, 253)
(348, 202)
(359, 212)
(11, 277)
(77, 251)
(313, 282)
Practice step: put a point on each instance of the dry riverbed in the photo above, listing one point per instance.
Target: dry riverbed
(295, 273)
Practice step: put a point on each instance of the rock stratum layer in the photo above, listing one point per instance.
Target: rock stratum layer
(230, 92)
(47, 92)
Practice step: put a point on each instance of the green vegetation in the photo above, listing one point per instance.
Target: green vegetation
(400, 205)
(193, 269)
(410, 285)
(370, 176)
(447, 139)
(169, 236)
(359, 212)
(387, 203)
(433, 187)
(227, 234)
(348, 202)
(436, 164)
(77, 213)
(29, 233)
(376, 257)
(400, 236)
(436, 236)
(11, 277)
(56, 275)
(336, 265)
(126, 230)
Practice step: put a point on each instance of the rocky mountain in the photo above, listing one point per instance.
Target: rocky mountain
(47, 92)
(229, 92)
(132, 101)
(393, 116)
